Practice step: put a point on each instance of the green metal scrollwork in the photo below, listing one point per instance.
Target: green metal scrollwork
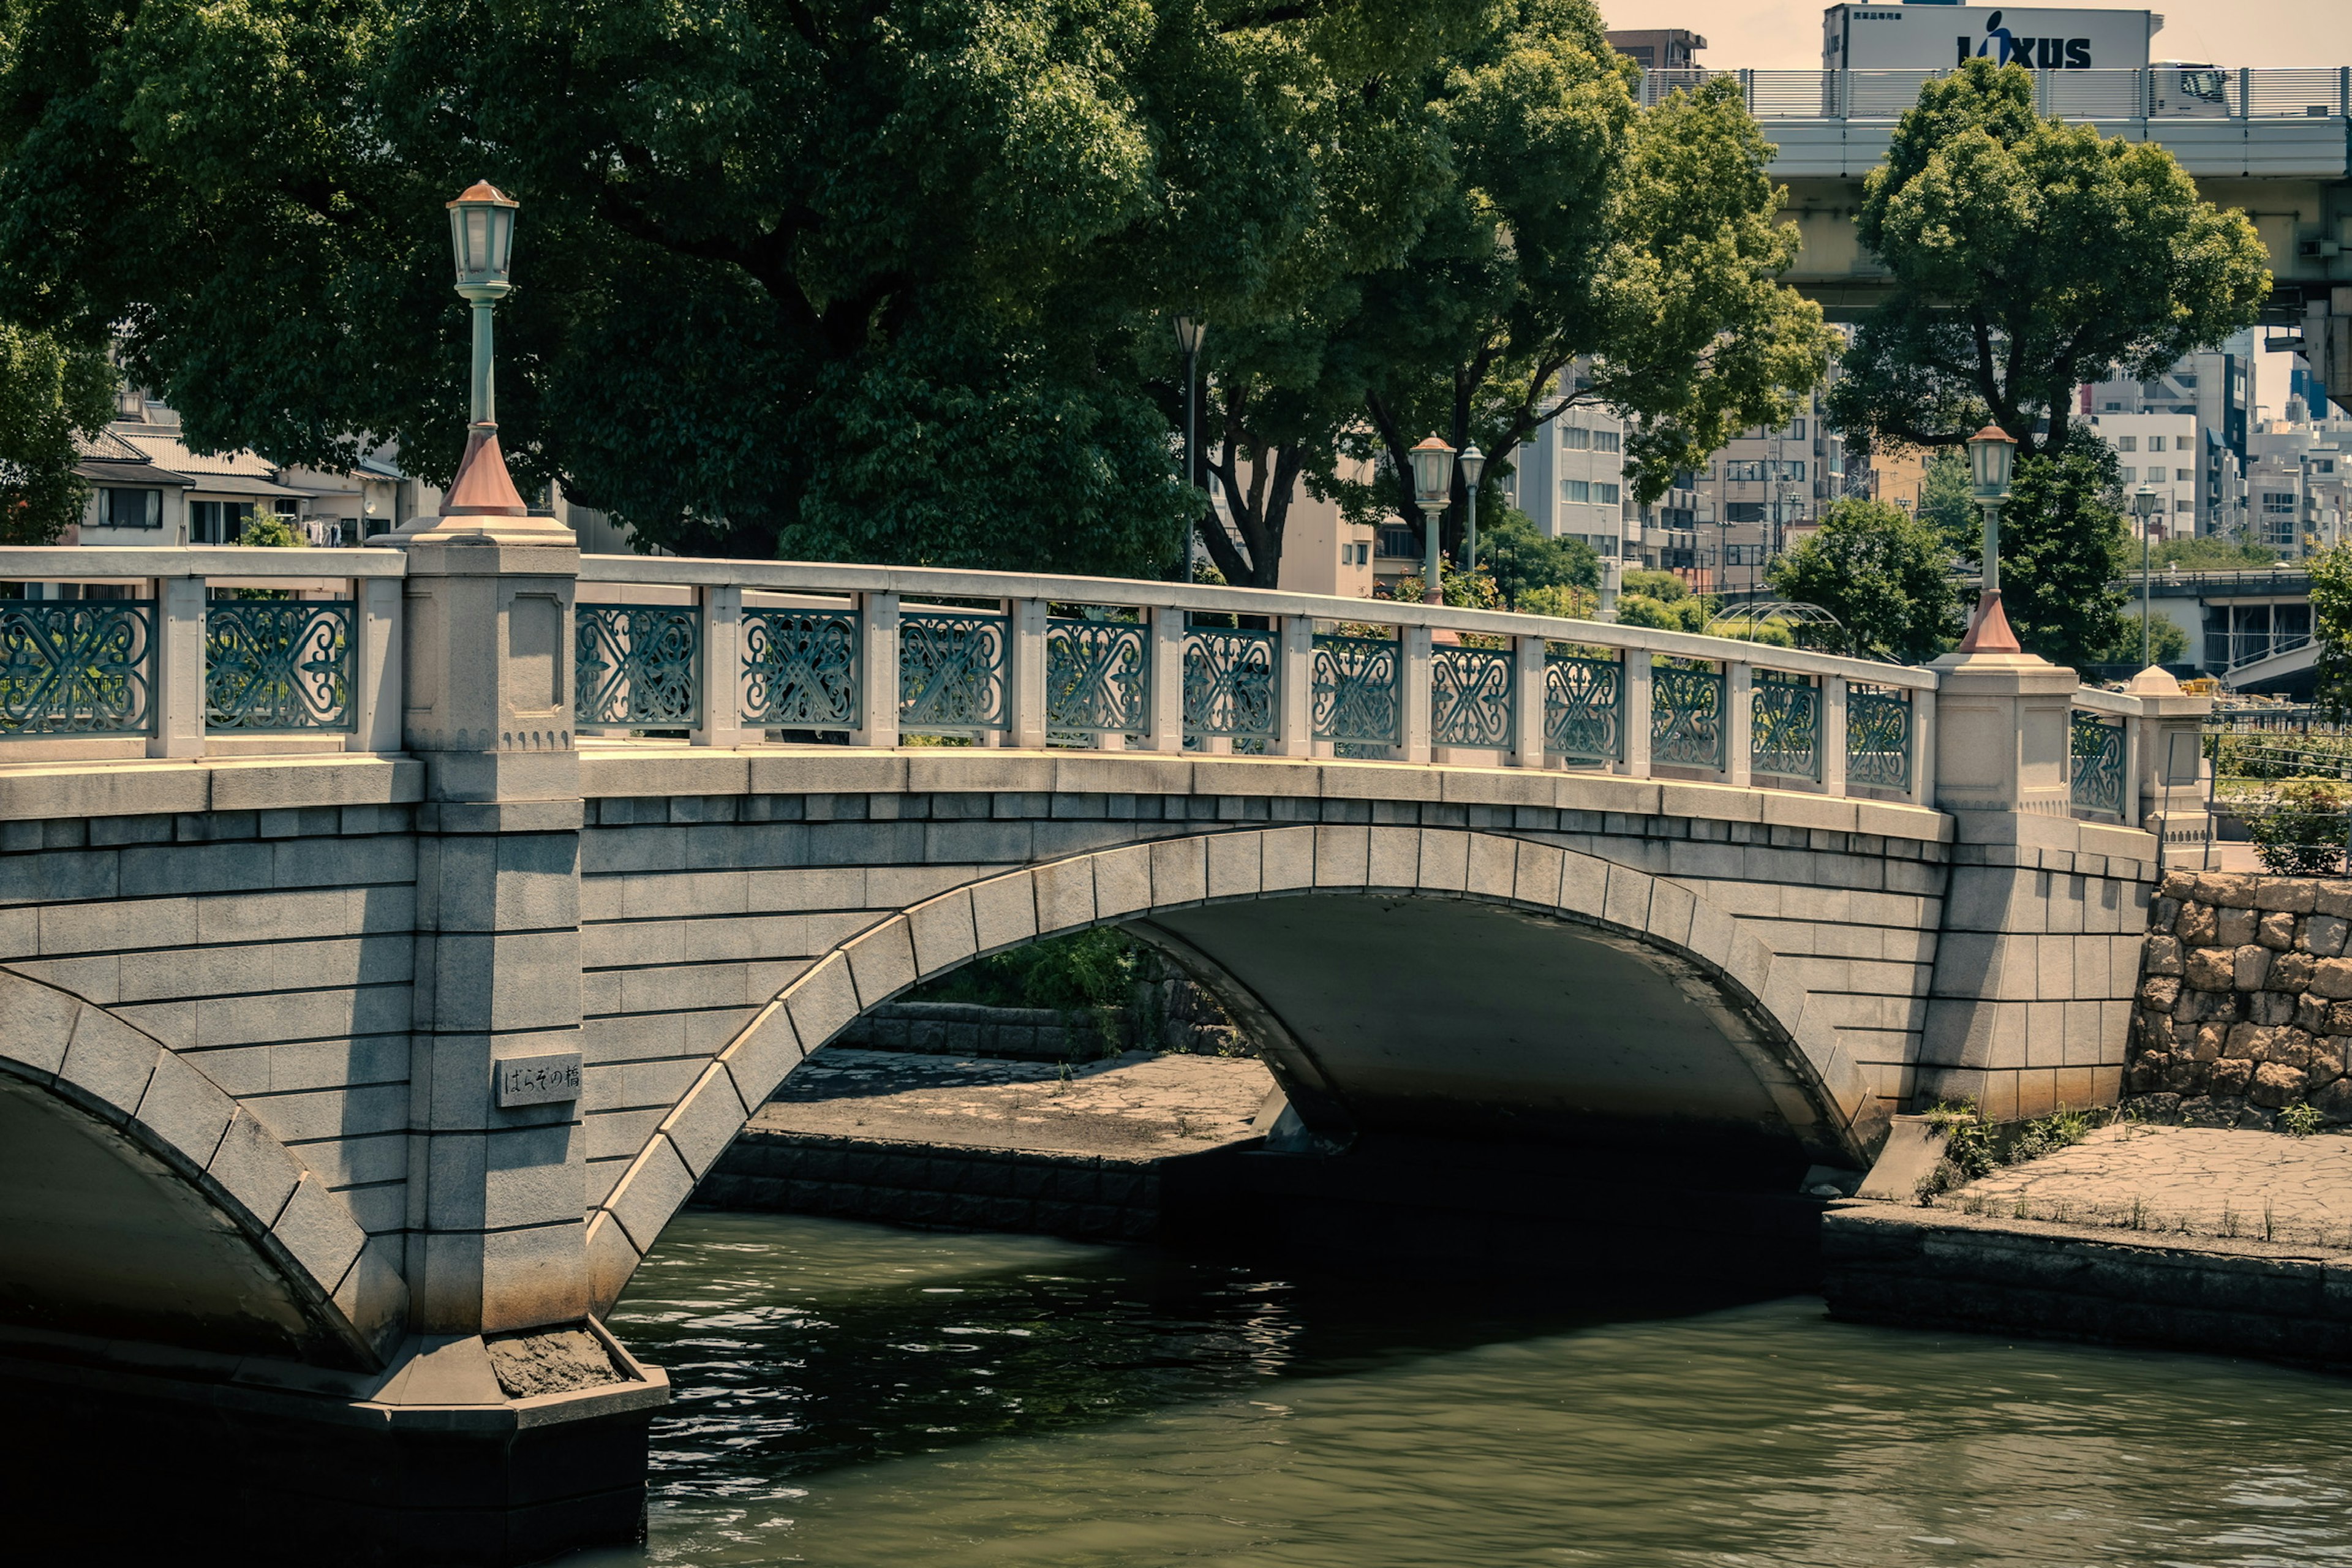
(1687, 717)
(76, 667)
(1877, 737)
(1095, 671)
(635, 666)
(2098, 763)
(1785, 726)
(278, 665)
(800, 669)
(1583, 704)
(1357, 692)
(1228, 683)
(952, 672)
(1470, 697)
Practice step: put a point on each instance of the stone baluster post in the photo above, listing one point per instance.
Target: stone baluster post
(1294, 723)
(378, 660)
(1527, 655)
(498, 1172)
(1635, 714)
(878, 670)
(1416, 693)
(179, 695)
(1026, 629)
(1834, 743)
(1164, 682)
(2169, 763)
(719, 669)
(1739, 723)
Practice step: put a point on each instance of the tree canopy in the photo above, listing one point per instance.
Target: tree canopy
(880, 279)
(2028, 257)
(49, 392)
(1521, 560)
(2062, 532)
(1883, 573)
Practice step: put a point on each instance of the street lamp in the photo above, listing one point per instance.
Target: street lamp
(1991, 452)
(481, 238)
(1433, 488)
(1189, 331)
(2144, 506)
(1474, 463)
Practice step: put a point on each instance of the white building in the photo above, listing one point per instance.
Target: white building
(2213, 387)
(2299, 483)
(2157, 452)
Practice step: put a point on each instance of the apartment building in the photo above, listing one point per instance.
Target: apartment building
(2161, 453)
(2214, 389)
(2298, 485)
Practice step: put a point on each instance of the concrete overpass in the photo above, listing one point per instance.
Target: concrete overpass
(382, 971)
(2277, 143)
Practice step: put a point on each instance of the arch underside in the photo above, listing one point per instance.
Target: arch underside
(1420, 981)
(100, 1238)
(1459, 1018)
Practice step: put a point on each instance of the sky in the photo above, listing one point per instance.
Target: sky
(2224, 31)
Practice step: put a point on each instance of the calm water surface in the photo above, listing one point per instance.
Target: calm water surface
(852, 1395)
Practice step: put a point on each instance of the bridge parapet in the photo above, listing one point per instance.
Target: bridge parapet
(173, 653)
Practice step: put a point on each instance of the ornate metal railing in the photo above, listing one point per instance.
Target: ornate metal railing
(1878, 740)
(800, 669)
(76, 667)
(1096, 676)
(1470, 697)
(1584, 702)
(1686, 714)
(1784, 729)
(952, 669)
(2098, 763)
(281, 665)
(636, 666)
(1231, 688)
(1356, 688)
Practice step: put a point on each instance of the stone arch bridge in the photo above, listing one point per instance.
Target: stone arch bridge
(359, 1031)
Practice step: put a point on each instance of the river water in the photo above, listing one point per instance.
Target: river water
(851, 1395)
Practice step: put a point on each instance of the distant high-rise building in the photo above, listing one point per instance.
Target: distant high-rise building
(2214, 387)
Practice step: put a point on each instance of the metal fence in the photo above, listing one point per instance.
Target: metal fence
(2155, 93)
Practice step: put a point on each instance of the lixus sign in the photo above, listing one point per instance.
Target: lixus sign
(1936, 37)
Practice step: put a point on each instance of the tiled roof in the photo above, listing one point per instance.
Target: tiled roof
(170, 453)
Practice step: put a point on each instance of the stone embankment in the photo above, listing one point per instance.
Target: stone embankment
(2245, 1001)
(1187, 1021)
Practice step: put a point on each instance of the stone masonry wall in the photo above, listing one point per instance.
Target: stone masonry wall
(2245, 1000)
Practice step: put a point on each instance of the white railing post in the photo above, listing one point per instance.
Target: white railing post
(179, 694)
(376, 665)
(1832, 734)
(1163, 688)
(1295, 724)
(2245, 93)
(2131, 771)
(1026, 629)
(1923, 747)
(878, 670)
(1416, 692)
(1637, 716)
(1739, 721)
(721, 670)
(1527, 655)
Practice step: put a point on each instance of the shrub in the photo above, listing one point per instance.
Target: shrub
(2303, 833)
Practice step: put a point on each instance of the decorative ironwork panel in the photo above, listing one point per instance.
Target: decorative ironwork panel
(952, 671)
(1784, 732)
(277, 664)
(1877, 737)
(1228, 683)
(800, 669)
(1470, 697)
(76, 667)
(2098, 777)
(637, 665)
(1358, 691)
(1583, 708)
(1095, 676)
(1687, 717)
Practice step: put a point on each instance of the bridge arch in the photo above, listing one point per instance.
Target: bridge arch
(1820, 1095)
(139, 1199)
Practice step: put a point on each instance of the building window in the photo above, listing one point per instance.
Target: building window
(2279, 502)
(217, 521)
(1606, 493)
(1575, 438)
(2156, 443)
(2129, 474)
(1743, 511)
(2126, 443)
(2182, 476)
(1576, 489)
(130, 508)
(1608, 441)
(1400, 542)
(1744, 472)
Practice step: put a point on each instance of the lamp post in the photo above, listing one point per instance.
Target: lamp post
(1433, 488)
(482, 502)
(1991, 452)
(1474, 463)
(1189, 329)
(2144, 506)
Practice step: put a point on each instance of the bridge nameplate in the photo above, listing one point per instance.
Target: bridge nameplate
(550, 1079)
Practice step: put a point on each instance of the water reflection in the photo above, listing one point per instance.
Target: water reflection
(852, 1395)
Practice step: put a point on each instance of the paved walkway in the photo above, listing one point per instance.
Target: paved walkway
(1135, 1106)
(2195, 1181)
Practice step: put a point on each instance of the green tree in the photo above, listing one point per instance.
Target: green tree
(1548, 247)
(2061, 532)
(1521, 560)
(2028, 257)
(1948, 503)
(50, 393)
(815, 277)
(2331, 623)
(2206, 554)
(1661, 600)
(2166, 643)
(1884, 574)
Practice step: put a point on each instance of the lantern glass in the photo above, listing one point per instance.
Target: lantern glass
(1189, 329)
(2144, 501)
(1474, 463)
(1990, 451)
(481, 234)
(1433, 472)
